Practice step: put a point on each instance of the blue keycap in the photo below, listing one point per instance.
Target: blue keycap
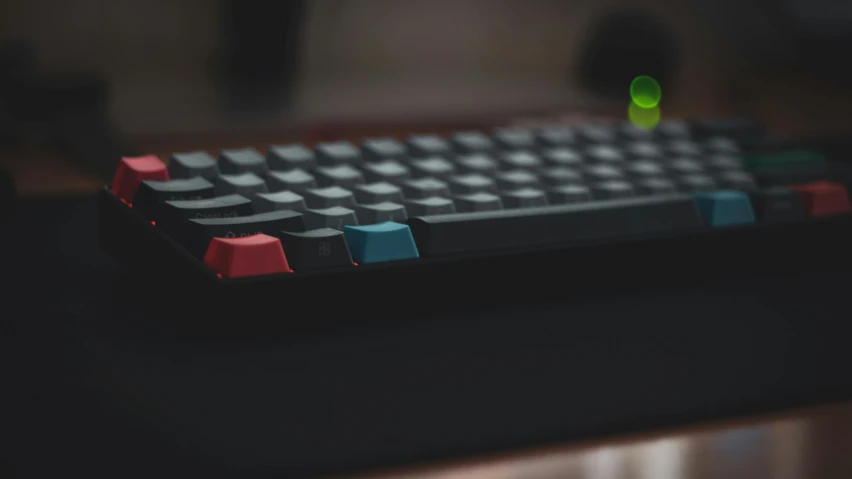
(380, 242)
(725, 208)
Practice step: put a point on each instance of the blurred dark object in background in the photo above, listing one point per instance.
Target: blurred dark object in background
(622, 46)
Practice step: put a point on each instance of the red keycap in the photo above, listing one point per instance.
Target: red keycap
(133, 171)
(823, 198)
(246, 256)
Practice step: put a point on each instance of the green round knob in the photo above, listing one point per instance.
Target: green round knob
(645, 91)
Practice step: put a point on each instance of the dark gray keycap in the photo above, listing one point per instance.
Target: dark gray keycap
(674, 129)
(471, 183)
(435, 167)
(604, 153)
(244, 160)
(515, 179)
(290, 157)
(593, 133)
(685, 166)
(188, 165)
(318, 198)
(723, 163)
(684, 148)
(335, 217)
(560, 175)
(377, 193)
(562, 157)
(644, 169)
(696, 183)
(644, 149)
(315, 249)
(422, 146)
(424, 188)
(736, 180)
(246, 184)
(478, 202)
(523, 198)
(655, 186)
(566, 194)
(386, 170)
(613, 189)
(721, 144)
(474, 232)
(379, 149)
(195, 235)
(296, 180)
(512, 160)
(555, 136)
(337, 153)
(381, 212)
(602, 172)
(472, 142)
(345, 176)
(477, 163)
(151, 195)
(430, 206)
(631, 132)
(514, 139)
(282, 200)
(177, 212)
(777, 205)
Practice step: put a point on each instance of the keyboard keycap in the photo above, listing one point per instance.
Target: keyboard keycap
(315, 249)
(562, 157)
(515, 179)
(696, 183)
(424, 146)
(430, 206)
(555, 137)
(721, 144)
(282, 200)
(377, 193)
(290, 157)
(520, 159)
(723, 163)
(478, 202)
(245, 184)
(472, 183)
(605, 154)
(725, 208)
(344, 176)
(152, 194)
(386, 170)
(523, 198)
(477, 232)
(567, 194)
(777, 205)
(613, 189)
(602, 172)
(514, 138)
(425, 188)
(131, 172)
(381, 212)
(337, 153)
(188, 165)
(380, 243)
(644, 169)
(245, 160)
(685, 166)
(177, 212)
(434, 167)
(644, 149)
(472, 142)
(335, 217)
(630, 131)
(823, 198)
(296, 180)
(383, 149)
(319, 198)
(592, 133)
(655, 186)
(560, 175)
(674, 129)
(684, 148)
(477, 163)
(196, 235)
(736, 180)
(250, 256)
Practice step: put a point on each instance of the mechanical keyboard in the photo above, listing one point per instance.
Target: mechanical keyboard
(596, 200)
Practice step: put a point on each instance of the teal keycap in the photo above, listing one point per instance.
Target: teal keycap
(388, 241)
(725, 208)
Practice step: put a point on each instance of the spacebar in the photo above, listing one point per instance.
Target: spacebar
(471, 232)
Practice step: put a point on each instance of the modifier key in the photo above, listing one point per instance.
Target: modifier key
(315, 249)
(152, 194)
(176, 212)
(195, 235)
(250, 256)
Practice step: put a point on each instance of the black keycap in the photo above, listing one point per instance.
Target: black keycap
(282, 200)
(777, 205)
(188, 165)
(723, 163)
(696, 183)
(567, 194)
(345, 176)
(430, 206)
(472, 183)
(515, 179)
(523, 198)
(592, 133)
(388, 170)
(602, 172)
(315, 249)
(379, 149)
(741, 129)
(290, 157)
(684, 148)
(644, 149)
(655, 186)
(423, 146)
(176, 212)
(381, 212)
(472, 142)
(514, 139)
(296, 180)
(555, 137)
(337, 153)
(245, 184)
(152, 194)
(613, 189)
(604, 154)
(721, 144)
(562, 157)
(644, 169)
(476, 232)
(245, 160)
(736, 180)
(477, 163)
(685, 166)
(435, 167)
(335, 217)
(195, 234)
(560, 175)
(631, 132)
(377, 193)
(478, 202)
(318, 198)
(520, 159)
(425, 188)
(674, 129)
